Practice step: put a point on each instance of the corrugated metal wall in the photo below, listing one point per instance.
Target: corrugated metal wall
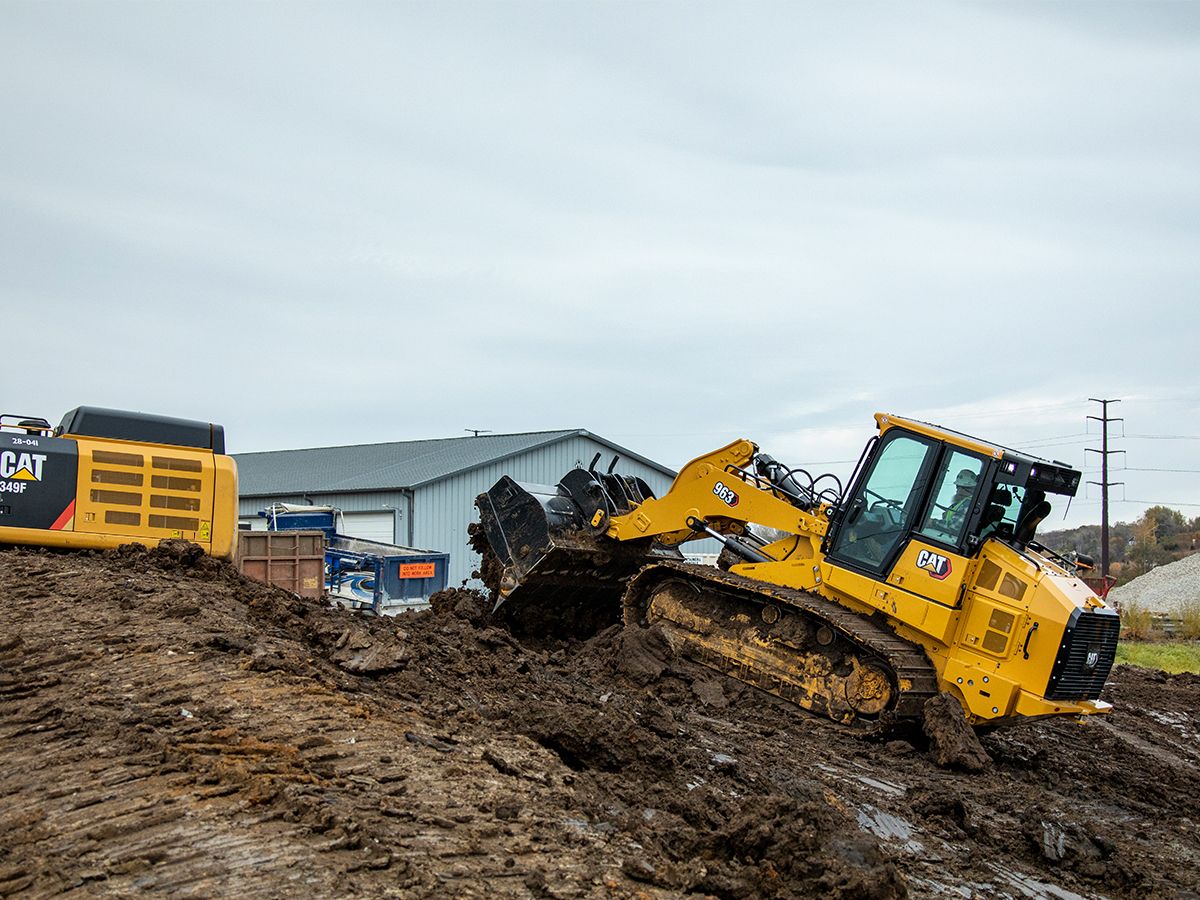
(444, 509)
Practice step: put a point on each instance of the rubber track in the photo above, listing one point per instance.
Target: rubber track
(906, 660)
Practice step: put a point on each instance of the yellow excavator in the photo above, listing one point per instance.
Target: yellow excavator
(922, 575)
(106, 477)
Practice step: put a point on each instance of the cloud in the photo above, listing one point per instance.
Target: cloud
(679, 224)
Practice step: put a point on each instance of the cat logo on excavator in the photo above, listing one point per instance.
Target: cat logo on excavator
(21, 467)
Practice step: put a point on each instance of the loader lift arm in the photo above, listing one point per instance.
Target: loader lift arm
(718, 494)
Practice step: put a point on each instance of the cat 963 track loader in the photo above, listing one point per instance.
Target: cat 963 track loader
(923, 575)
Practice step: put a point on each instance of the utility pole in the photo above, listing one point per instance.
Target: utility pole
(1104, 483)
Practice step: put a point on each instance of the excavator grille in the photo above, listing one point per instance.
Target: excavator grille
(153, 494)
(1086, 656)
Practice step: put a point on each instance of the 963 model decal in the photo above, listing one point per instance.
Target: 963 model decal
(725, 493)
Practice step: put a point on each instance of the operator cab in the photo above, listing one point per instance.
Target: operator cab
(926, 484)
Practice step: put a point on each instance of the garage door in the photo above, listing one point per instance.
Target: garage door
(373, 526)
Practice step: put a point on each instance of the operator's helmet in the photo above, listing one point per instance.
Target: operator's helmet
(966, 480)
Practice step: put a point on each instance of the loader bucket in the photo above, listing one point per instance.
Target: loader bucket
(548, 567)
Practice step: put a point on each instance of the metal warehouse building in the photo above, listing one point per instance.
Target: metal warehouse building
(422, 493)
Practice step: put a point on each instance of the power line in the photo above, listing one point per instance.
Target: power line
(1059, 437)
(1051, 444)
(1164, 437)
(999, 412)
(1076, 501)
(1189, 471)
(1133, 469)
(1167, 503)
(1166, 400)
(1062, 439)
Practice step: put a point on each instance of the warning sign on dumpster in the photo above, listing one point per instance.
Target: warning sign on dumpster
(417, 570)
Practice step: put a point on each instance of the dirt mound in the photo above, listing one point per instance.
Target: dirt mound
(167, 725)
(1167, 589)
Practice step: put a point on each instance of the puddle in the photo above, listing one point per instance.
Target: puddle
(1181, 722)
(888, 827)
(585, 827)
(1028, 886)
(884, 787)
(1008, 885)
(1167, 718)
(887, 788)
(968, 890)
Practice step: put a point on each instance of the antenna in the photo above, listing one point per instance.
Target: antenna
(476, 432)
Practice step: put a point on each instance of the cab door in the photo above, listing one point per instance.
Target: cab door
(933, 562)
(900, 546)
(884, 504)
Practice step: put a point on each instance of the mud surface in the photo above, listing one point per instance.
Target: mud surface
(168, 727)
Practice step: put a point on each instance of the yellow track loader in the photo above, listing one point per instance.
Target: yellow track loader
(106, 477)
(923, 575)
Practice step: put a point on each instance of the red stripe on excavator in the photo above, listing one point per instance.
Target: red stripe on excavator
(67, 515)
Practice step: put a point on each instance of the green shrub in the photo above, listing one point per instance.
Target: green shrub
(1140, 624)
(1189, 620)
(1136, 623)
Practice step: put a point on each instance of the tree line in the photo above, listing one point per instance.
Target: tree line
(1162, 535)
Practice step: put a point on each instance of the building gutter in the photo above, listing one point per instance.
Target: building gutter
(409, 498)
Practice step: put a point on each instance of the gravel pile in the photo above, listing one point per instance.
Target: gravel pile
(1166, 589)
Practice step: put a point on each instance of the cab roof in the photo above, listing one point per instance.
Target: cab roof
(1049, 474)
(938, 433)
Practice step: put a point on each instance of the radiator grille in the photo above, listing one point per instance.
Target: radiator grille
(144, 496)
(1086, 656)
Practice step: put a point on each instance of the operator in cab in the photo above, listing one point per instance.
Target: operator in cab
(960, 503)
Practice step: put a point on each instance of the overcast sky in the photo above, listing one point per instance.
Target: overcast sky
(672, 224)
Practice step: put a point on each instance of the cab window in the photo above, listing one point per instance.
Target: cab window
(1002, 513)
(956, 485)
(883, 508)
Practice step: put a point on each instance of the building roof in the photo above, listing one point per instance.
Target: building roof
(392, 466)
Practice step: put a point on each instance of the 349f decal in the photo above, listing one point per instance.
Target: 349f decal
(37, 481)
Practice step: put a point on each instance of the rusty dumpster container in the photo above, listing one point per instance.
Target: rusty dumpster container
(292, 560)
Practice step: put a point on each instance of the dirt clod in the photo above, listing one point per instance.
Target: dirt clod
(640, 654)
(952, 742)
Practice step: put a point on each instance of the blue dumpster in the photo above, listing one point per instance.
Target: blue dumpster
(367, 575)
